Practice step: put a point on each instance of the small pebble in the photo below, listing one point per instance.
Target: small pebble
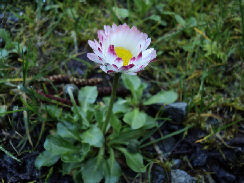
(180, 176)
(176, 111)
(199, 158)
(158, 174)
(176, 163)
(222, 175)
(212, 121)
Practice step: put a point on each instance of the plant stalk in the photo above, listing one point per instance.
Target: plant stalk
(167, 136)
(113, 96)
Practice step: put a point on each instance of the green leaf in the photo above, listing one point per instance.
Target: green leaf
(46, 158)
(77, 176)
(87, 95)
(93, 136)
(58, 145)
(111, 169)
(121, 13)
(3, 53)
(92, 173)
(131, 82)
(133, 146)
(86, 116)
(76, 157)
(135, 118)
(6, 37)
(192, 21)
(54, 111)
(150, 123)
(163, 97)
(3, 110)
(134, 84)
(99, 116)
(100, 112)
(134, 160)
(4, 34)
(155, 18)
(121, 106)
(67, 130)
(138, 94)
(180, 20)
(106, 100)
(67, 168)
(115, 123)
(126, 135)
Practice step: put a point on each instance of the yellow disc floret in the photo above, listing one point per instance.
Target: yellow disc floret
(124, 54)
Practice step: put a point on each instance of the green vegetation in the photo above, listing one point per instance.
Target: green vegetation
(200, 53)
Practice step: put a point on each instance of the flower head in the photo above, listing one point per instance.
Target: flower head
(121, 49)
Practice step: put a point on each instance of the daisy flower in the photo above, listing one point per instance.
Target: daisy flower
(121, 49)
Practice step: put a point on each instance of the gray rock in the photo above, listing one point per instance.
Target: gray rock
(167, 145)
(222, 175)
(180, 176)
(176, 163)
(213, 122)
(199, 158)
(176, 111)
(158, 174)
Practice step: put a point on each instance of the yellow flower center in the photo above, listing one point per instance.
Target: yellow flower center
(124, 54)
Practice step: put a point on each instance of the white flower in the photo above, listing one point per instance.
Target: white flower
(121, 49)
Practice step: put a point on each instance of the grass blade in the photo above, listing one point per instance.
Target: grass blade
(8, 153)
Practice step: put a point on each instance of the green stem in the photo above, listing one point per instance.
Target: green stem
(70, 92)
(71, 96)
(113, 96)
(167, 136)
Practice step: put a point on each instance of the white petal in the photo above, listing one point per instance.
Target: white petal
(93, 57)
